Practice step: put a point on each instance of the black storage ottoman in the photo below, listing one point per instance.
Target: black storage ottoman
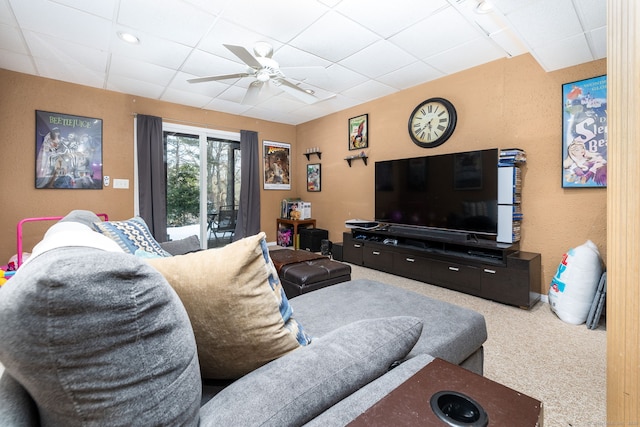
(311, 238)
(306, 276)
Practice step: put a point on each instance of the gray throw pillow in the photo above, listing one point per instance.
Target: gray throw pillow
(182, 246)
(295, 388)
(99, 338)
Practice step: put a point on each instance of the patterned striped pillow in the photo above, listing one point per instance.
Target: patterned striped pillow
(131, 235)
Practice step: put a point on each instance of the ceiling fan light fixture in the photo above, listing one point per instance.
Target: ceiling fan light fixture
(263, 75)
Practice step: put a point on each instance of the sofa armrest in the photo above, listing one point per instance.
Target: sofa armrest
(17, 409)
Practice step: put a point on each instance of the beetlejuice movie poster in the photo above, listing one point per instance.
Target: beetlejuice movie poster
(584, 133)
(68, 151)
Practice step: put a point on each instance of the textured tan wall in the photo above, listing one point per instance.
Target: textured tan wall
(507, 103)
(21, 95)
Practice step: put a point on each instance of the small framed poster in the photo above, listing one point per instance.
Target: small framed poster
(313, 177)
(68, 151)
(277, 165)
(584, 133)
(359, 132)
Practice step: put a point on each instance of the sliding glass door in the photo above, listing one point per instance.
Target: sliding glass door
(203, 183)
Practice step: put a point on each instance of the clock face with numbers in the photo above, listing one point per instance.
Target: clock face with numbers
(432, 122)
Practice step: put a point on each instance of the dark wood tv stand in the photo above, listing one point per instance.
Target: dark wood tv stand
(458, 261)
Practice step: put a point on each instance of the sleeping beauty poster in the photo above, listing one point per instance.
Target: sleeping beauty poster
(584, 133)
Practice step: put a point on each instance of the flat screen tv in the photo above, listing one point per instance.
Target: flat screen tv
(456, 192)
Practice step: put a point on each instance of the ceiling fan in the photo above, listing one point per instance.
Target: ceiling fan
(264, 70)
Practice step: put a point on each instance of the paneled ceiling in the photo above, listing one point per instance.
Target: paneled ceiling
(343, 52)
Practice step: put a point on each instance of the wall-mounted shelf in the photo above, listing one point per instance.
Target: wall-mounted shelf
(349, 159)
(318, 153)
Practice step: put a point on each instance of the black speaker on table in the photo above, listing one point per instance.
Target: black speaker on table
(311, 238)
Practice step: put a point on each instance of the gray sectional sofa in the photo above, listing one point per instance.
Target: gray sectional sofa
(93, 335)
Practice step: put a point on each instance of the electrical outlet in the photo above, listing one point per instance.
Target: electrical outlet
(106, 180)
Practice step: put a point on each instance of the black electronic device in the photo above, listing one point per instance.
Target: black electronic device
(311, 238)
(452, 192)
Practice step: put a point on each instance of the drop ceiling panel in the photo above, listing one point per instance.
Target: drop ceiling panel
(387, 21)
(369, 90)
(433, 35)
(334, 37)
(368, 60)
(563, 53)
(63, 22)
(12, 39)
(134, 69)
(546, 21)
(6, 14)
(66, 54)
(281, 19)
(411, 75)
(466, 56)
(134, 87)
(17, 62)
(102, 8)
(154, 50)
(182, 22)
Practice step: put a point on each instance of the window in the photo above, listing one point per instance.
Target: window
(203, 183)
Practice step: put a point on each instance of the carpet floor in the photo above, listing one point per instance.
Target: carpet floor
(533, 352)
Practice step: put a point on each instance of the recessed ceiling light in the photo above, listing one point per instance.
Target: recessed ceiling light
(484, 7)
(128, 37)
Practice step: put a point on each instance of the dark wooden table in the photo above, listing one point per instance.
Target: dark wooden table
(408, 404)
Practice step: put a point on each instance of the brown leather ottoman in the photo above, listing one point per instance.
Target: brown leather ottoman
(301, 271)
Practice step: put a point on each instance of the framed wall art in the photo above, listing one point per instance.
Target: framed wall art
(359, 132)
(68, 151)
(277, 165)
(584, 133)
(313, 177)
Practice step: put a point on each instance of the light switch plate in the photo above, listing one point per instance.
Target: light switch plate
(120, 183)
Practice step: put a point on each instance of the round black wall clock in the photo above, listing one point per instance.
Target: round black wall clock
(432, 122)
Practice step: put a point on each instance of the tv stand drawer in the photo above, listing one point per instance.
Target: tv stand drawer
(454, 276)
(378, 258)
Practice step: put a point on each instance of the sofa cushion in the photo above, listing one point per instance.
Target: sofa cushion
(99, 338)
(304, 383)
(131, 235)
(450, 332)
(239, 312)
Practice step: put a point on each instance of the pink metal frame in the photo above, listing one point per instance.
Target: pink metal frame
(42, 218)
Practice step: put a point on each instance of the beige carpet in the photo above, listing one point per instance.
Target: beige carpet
(535, 353)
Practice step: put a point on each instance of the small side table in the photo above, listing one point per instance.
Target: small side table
(295, 223)
(408, 404)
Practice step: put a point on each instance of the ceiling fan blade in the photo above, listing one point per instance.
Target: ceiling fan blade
(296, 91)
(223, 77)
(251, 96)
(244, 55)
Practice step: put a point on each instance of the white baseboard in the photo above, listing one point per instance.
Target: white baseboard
(544, 298)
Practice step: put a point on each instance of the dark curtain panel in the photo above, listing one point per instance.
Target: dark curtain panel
(152, 176)
(248, 222)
